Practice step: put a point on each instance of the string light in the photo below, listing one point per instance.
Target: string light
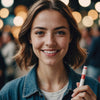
(4, 12)
(20, 8)
(18, 21)
(87, 21)
(93, 14)
(97, 6)
(22, 14)
(65, 1)
(7, 3)
(1, 23)
(77, 16)
(84, 3)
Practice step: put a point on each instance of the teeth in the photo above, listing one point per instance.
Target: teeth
(50, 51)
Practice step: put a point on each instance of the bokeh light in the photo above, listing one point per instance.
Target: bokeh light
(87, 21)
(4, 13)
(15, 31)
(84, 3)
(1, 23)
(93, 14)
(20, 8)
(97, 6)
(77, 16)
(65, 1)
(7, 3)
(18, 21)
(22, 14)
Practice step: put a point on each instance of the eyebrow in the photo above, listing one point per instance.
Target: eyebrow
(39, 28)
(57, 28)
(61, 27)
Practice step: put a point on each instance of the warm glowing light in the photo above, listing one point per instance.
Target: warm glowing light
(15, 31)
(77, 16)
(1, 24)
(4, 12)
(20, 8)
(65, 1)
(93, 14)
(18, 21)
(22, 14)
(84, 3)
(97, 6)
(7, 3)
(87, 21)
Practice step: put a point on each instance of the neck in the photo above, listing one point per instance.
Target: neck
(52, 78)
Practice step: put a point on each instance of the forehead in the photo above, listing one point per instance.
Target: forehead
(50, 17)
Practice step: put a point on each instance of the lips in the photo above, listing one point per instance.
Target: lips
(50, 52)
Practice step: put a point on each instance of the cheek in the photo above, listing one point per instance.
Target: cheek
(64, 44)
(36, 44)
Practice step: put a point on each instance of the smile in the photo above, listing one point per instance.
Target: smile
(50, 52)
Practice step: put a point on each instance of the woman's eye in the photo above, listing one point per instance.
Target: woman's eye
(61, 32)
(40, 33)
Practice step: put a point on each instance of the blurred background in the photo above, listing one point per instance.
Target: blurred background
(12, 16)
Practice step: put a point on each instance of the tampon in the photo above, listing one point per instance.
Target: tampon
(83, 76)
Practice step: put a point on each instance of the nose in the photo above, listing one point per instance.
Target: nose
(50, 40)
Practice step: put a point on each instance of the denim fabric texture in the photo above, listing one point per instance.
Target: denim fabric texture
(26, 87)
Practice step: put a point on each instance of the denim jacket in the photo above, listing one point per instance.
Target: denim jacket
(26, 87)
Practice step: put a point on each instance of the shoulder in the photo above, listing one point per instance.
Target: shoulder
(19, 87)
(12, 88)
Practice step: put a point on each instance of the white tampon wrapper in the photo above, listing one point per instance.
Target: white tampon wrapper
(83, 76)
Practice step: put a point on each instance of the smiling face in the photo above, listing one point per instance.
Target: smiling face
(50, 37)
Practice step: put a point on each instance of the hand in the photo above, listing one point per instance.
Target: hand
(83, 93)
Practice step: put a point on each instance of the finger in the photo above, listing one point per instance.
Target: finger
(94, 97)
(84, 95)
(85, 88)
(77, 98)
(77, 84)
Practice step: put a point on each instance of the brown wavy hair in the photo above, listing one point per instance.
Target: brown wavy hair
(25, 57)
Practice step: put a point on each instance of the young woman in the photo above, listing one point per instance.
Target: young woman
(49, 40)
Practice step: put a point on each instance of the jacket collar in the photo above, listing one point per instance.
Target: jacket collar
(31, 84)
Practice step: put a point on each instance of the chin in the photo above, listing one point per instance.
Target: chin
(51, 63)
